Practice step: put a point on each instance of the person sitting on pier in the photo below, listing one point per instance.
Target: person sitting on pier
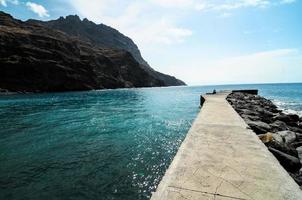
(214, 92)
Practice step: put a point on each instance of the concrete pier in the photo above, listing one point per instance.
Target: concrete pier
(221, 159)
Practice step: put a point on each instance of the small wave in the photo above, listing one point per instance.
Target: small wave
(289, 107)
(290, 111)
(287, 103)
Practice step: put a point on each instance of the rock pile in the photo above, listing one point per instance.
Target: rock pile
(280, 132)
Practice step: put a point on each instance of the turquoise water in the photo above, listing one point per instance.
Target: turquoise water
(111, 144)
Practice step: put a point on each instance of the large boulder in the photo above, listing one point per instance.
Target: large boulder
(277, 141)
(259, 127)
(295, 129)
(290, 163)
(290, 118)
(288, 137)
(296, 144)
(250, 117)
(267, 113)
(299, 150)
(290, 150)
(278, 126)
(248, 112)
(299, 136)
(259, 109)
(294, 117)
(278, 138)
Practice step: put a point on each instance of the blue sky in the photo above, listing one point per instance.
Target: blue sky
(198, 41)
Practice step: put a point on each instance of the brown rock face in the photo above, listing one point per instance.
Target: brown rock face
(105, 37)
(35, 58)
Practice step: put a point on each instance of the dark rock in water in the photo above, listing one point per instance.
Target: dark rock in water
(295, 129)
(249, 112)
(250, 117)
(293, 124)
(278, 126)
(267, 116)
(287, 118)
(202, 100)
(299, 136)
(296, 144)
(294, 117)
(290, 163)
(299, 151)
(35, 58)
(290, 150)
(259, 127)
(258, 109)
(3, 90)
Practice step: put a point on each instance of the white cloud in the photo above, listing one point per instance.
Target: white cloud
(266, 66)
(241, 4)
(224, 6)
(279, 65)
(15, 2)
(161, 31)
(151, 21)
(38, 9)
(5, 2)
(201, 6)
(236, 4)
(215, 5)
(174, 3)
(287, 1)
(139, 20)
(225, 15)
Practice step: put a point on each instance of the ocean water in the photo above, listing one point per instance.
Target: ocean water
(110, 144)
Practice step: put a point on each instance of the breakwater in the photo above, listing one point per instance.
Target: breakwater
(280, 132)
(222, 158)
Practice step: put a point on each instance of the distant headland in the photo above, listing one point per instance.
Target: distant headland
(70, 54)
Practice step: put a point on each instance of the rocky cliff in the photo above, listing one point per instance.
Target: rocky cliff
(100, 35)
(104, 37)
(35, 57)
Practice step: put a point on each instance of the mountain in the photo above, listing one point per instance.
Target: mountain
(105, 37)
(35, 57)
(99, 35)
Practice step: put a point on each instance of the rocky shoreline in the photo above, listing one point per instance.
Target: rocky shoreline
(280, 132)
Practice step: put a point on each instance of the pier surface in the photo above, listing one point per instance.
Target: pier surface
(221, 159)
